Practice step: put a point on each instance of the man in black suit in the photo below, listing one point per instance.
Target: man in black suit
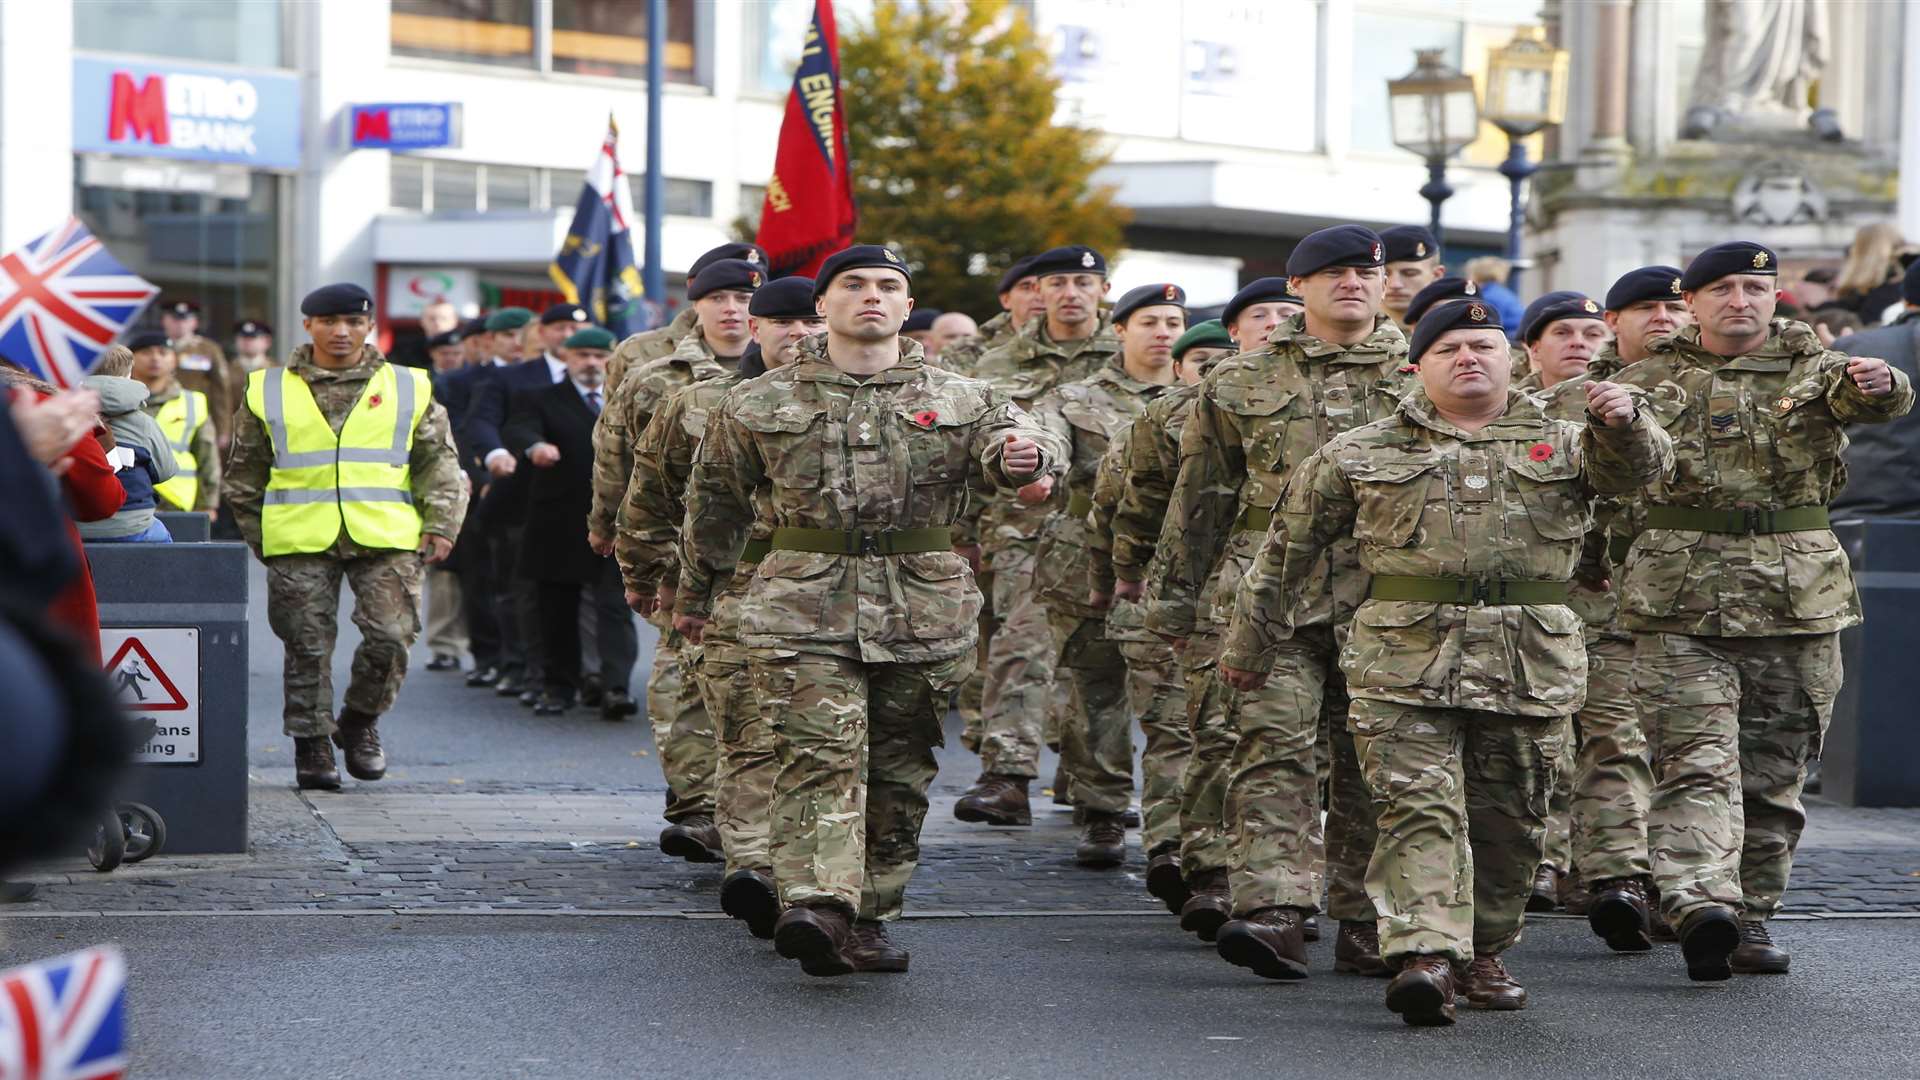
(550, 431)
(471, 562)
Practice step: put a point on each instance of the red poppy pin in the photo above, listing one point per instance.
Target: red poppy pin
(1409, 369)
(1540, 451)
(373, 402)
(925, 417)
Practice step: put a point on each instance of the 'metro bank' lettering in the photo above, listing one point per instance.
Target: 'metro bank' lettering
(186, 112)
(191, 112)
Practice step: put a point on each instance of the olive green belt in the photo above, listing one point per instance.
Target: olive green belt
(1253, 519)
(755, 551)
(856, 542)
(1459, 590)
(1789, 519)
(1078, 505)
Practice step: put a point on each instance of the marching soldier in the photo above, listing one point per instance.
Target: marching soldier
(860, 621)
(1019, 302)
(252, 347)
(650, 345)
(1643, 306)
(1736, 591)
(1446, 288)
(1467, 508)
(343, 466)
(1259, 307)
(203, 366)
(1413, 263)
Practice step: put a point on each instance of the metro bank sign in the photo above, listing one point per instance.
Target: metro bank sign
(189, 113)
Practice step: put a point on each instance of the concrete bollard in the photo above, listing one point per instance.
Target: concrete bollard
(1872, 744)
(186, 526)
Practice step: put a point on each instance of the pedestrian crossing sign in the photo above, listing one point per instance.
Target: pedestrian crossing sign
(155, 677)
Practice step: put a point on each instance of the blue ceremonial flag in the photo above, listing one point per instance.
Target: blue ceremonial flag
(595, 267)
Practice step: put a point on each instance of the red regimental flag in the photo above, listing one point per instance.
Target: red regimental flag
(809, 212)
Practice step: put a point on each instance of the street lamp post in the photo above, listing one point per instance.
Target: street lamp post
(1526, 91)
(1434, 114)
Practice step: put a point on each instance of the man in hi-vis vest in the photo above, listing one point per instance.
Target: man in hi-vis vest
(343, 466)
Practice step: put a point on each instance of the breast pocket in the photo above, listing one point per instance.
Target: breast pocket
(1392, 496)
(789, 594)
(1551, 490)
(792, 440)
(1268, 427)
(1805, 434)
(935, 433)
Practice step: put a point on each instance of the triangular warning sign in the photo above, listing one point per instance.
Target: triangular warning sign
(129, 684)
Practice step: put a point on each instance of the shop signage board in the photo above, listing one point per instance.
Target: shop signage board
(189, 112)
(404, 126)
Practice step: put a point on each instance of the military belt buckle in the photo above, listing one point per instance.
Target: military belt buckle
(1482, 592)
(1754, 520)
(864, 543)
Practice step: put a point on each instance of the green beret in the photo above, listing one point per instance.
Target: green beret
(508, 318)
(593, 337)
(1202, 335)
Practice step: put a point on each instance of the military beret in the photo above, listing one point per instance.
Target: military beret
(593, 337)
(252, 328)
(1018, 272)
(1467, 314)
(1148, 296)
(1552, 308)
(1446, 288)
(1202, 335)
(182, 308)
(752, 253)
(1734, 257)
(920, 320)
(560, 313)
(508, 318)
(1341, 245)
(475, 325)
(148, 339)
(784, 298)
(1406, 243)
(736, 274)
(344, 298)
(1646, 283)
(446, 337)
(858, 257)
(1266, 290)
(1910, 285)
(1071, 259)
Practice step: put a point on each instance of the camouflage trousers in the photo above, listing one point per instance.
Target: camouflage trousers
(1281, 858)
(743, 778)
(682, 730)
(1734, 723)
(1157, 698)
(1611, 781)
(970, 700)
(855, 746)
(1204, 842)
(1462, 800)
(1019, 678)
(303, 608)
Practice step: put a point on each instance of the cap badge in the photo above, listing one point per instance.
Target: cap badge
(1676, 286)
(1470, 289)
(1172, 292)
(753, 278)
(1759, 260)
(1420, 249)
(1476, 482)
(579, 315)
(751, 256)
(1591, 307)
(1376, 253)
(1477, 313)
(888, 254)
(366, 305)
(1087, 260)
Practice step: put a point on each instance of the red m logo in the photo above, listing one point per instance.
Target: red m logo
(372, 124)
(143, 110)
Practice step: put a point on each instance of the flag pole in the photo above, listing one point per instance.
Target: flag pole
(653, 275)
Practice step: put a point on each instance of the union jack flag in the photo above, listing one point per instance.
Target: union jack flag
(65, 1018)
(63, 299)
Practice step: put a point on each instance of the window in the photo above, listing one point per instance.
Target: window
(1383, 50)
(684, 198)
(480, 31)
(775, 31)
(609, 37)
(456, 186)
(510, 187)
(753, 200)
(407, 183)
(243, 32)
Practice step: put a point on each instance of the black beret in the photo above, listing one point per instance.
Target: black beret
(592, 337)
(1450, 315)
(1735, 257)
(560, 313)
(1341, 245)
(446, 337)
(784, 298)
(251, 328)
(736, 274)
(1553, 307)
(1910, 286)
(858, 257)
(1015, 274)
(1202, 335)
(148, 339)
(344, 298)
(1148, 296)
(1646, 283)
(508, 318)
(1406, 243)
(920, 320)
(182, 308)
(1264, 290)
(475, 325)
(1446, 288)
(1071, 259)
(752, 253)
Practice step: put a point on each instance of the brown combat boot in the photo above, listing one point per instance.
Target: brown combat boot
(1574, 897)
(817, 937)
(871, 950)
(996, 800)
(313, 767)
(1210, 906)
(1422, 994)
(358, 734)
(1488, 985)
(1268, 942)
(1164, 878)
(1619, 914)
(1757, 954)
(749, 895)
(1546, 889)
(1356, 950)
(1103, 842)
(693, 838)
(1708, 937)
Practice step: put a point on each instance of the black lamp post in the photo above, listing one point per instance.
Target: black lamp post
(1526, 91)
(1434, 114)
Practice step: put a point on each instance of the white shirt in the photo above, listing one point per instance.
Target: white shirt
(556, 369)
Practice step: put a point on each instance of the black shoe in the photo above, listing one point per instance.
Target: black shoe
(529, 698)
(1310, 928)
(1618, 914)
(748, 895)
(508, 684)
(618, 705)
(483, 676)
(592, 692)
(443, 662)
(551, 704)
(1707, 940)
(1164, 879)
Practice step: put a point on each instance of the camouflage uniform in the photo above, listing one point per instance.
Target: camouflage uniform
(1256, 417)
(303, 591)
(204, 367)
(1736, 621)
(1106, 683)
(1020, 655)
(647, 548)
(637, 351)
(1454, 704)
(682, 731)
(852, 656)
(963, 357)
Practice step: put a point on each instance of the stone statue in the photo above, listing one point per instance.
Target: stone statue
(1761, 61)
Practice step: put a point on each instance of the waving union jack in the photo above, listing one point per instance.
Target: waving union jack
(63, 298)
(63, 1019)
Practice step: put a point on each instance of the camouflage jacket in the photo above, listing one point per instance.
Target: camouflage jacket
(1421, 497)
(895, 451)
(206, 455)
(628, 410)
(963, 357)
(204, 367)
(1089, 415)
(1023, 368)
(1598, 608)
(1760, 431)
(649, 345)
(439, 486)
(1255, 418)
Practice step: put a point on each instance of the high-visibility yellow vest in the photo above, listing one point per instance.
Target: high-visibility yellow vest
(358, 480)
(179, 420)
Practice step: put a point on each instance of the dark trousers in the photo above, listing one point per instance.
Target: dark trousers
(560, 609)
(514, 604)
(472, 563)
